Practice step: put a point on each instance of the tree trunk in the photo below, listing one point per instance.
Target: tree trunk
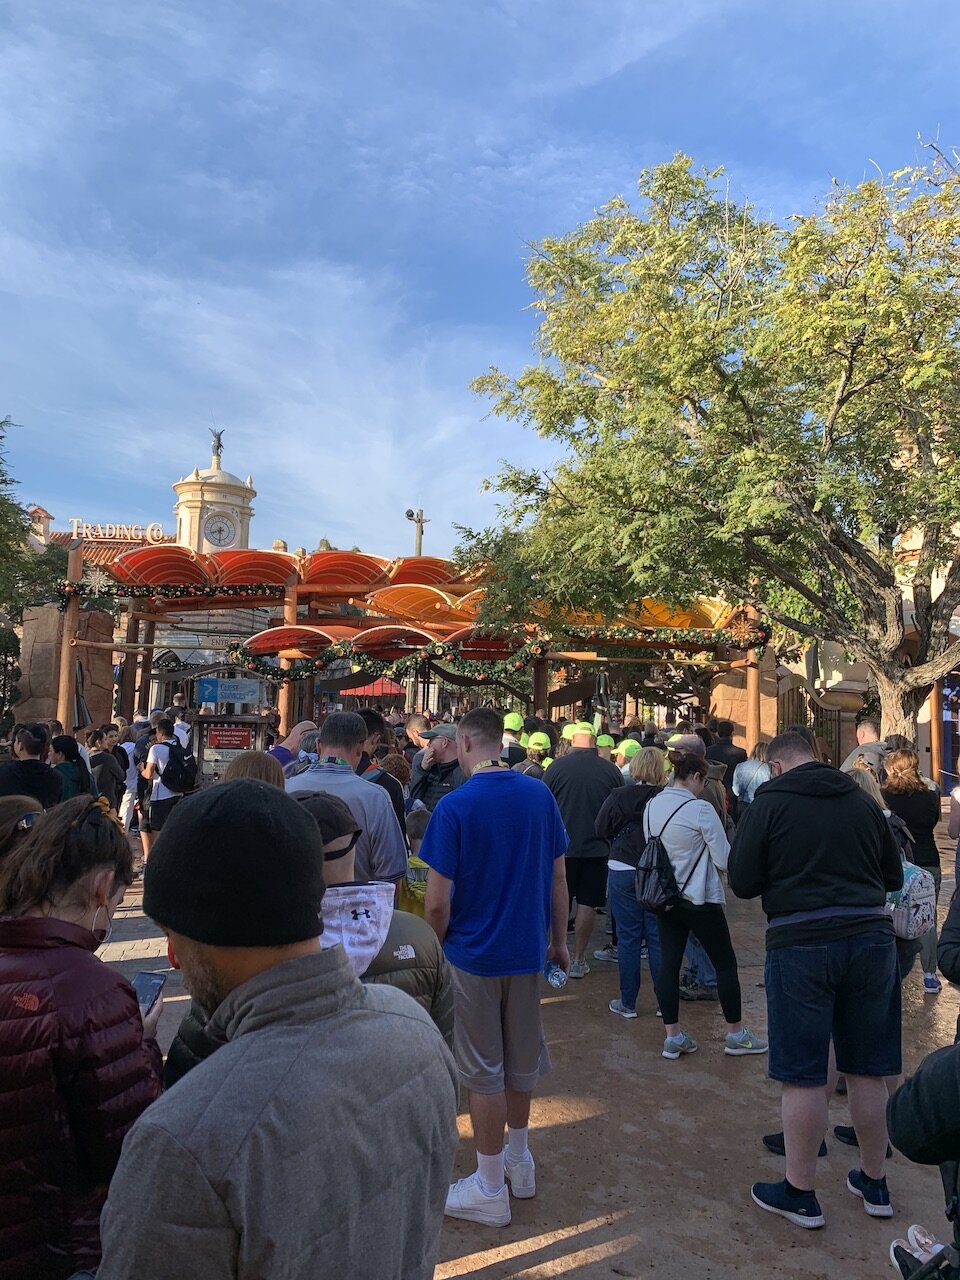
(898, 705)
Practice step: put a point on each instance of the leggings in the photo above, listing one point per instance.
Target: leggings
(709, 926)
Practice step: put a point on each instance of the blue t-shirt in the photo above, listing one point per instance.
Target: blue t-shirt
(497, 837)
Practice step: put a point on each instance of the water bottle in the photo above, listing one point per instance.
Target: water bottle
(554, 974)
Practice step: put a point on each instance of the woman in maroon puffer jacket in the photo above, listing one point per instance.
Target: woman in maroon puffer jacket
(78, 1065)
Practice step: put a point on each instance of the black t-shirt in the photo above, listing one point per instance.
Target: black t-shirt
(370, 770)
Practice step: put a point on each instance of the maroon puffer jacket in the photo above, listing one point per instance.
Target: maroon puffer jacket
(75, 1072)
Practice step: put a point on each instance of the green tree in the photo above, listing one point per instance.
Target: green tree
(27, 577)
(768, 413)
(13, 523)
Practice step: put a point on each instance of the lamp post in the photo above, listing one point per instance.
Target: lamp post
(418, 519)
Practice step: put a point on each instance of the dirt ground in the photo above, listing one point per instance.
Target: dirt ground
(645, 1165)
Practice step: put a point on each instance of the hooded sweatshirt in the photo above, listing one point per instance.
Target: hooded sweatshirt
(382, 946)
(813, 845)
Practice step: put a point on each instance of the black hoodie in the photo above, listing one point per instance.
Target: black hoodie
(31, 778)
(811, 841)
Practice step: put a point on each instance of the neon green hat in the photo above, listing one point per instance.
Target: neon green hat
(539, 741)
(584, 726)
(568, 730)
(513, 721)
(628, 748)
(604, 740)
(524, 739)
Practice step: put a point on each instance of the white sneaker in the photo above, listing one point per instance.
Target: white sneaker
(467, 1199)
(522, 1175)
(578, 969)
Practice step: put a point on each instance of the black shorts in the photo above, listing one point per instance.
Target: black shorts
(587, 881)
(157, 812)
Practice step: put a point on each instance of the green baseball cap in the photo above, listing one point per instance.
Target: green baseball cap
(604, 740)
(539, 741)
(513, 721)
(568, 730)
(628, 748)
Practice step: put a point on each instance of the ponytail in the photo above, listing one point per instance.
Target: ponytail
(68, 747)
(69, 841)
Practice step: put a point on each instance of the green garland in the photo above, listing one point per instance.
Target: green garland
(68, 591)
(450, 654)
(439, 651)
(756, 636)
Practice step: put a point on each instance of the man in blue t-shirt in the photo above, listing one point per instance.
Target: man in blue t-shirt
(496, 891)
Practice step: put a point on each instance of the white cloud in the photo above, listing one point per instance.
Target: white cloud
(344, 413)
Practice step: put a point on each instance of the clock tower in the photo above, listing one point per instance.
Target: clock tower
(214, 507)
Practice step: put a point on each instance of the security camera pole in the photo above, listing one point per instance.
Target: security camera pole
(418, 519)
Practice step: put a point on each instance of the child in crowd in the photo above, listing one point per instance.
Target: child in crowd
(413, 889)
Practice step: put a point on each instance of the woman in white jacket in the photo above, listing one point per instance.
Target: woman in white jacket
(697, 846)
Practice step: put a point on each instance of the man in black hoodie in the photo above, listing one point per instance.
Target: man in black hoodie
(819, 853)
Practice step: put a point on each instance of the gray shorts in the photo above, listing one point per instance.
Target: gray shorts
(498, 1036)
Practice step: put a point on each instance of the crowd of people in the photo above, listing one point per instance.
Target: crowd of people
(378, 901)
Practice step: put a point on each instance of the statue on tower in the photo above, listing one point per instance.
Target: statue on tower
(217, 442)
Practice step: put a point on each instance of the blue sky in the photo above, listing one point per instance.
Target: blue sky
(307, 221)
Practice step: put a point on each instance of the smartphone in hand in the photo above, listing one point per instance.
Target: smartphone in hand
(148, 986)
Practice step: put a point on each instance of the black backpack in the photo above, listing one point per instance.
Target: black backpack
(179, 774)
(656, 883)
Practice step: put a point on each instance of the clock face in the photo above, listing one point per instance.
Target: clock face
(219, 531)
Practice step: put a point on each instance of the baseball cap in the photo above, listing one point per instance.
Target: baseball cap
(568, 730)
(513, 721)
(604, 740)
(539, 741)
(441, 731)
(583, 726)
(628, 748)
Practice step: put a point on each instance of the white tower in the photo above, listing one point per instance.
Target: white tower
(214, 507)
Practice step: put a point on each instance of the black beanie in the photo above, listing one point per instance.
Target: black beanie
(239, 864)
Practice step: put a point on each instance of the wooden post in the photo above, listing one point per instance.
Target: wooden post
(128, 679)
(936, 731)
(146, 668)
(67, 686)
(541, 681)
(752, 727)
(288, 694)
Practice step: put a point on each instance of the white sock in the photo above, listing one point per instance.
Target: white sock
(517, 1143)
(490, 1169)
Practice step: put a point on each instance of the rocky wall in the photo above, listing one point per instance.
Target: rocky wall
(40, 664)
(728, 699)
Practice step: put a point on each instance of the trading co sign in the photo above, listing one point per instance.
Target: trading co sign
(118, 532)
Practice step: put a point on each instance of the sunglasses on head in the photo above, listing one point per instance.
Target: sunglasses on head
(27, 821)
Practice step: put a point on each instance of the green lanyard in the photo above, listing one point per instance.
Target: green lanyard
(335, 760)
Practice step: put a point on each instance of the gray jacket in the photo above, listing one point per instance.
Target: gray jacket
(317, 1142)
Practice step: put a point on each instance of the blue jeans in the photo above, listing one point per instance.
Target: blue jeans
(634, 925)
(848, 988)
(698, 971)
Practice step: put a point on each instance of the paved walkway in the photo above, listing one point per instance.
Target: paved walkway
(645, 1165)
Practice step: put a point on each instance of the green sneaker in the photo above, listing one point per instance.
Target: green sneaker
(674, 1046)
(744, 1042)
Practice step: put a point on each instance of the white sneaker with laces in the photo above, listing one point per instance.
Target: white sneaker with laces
(521, 1174)
(467, 1199)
